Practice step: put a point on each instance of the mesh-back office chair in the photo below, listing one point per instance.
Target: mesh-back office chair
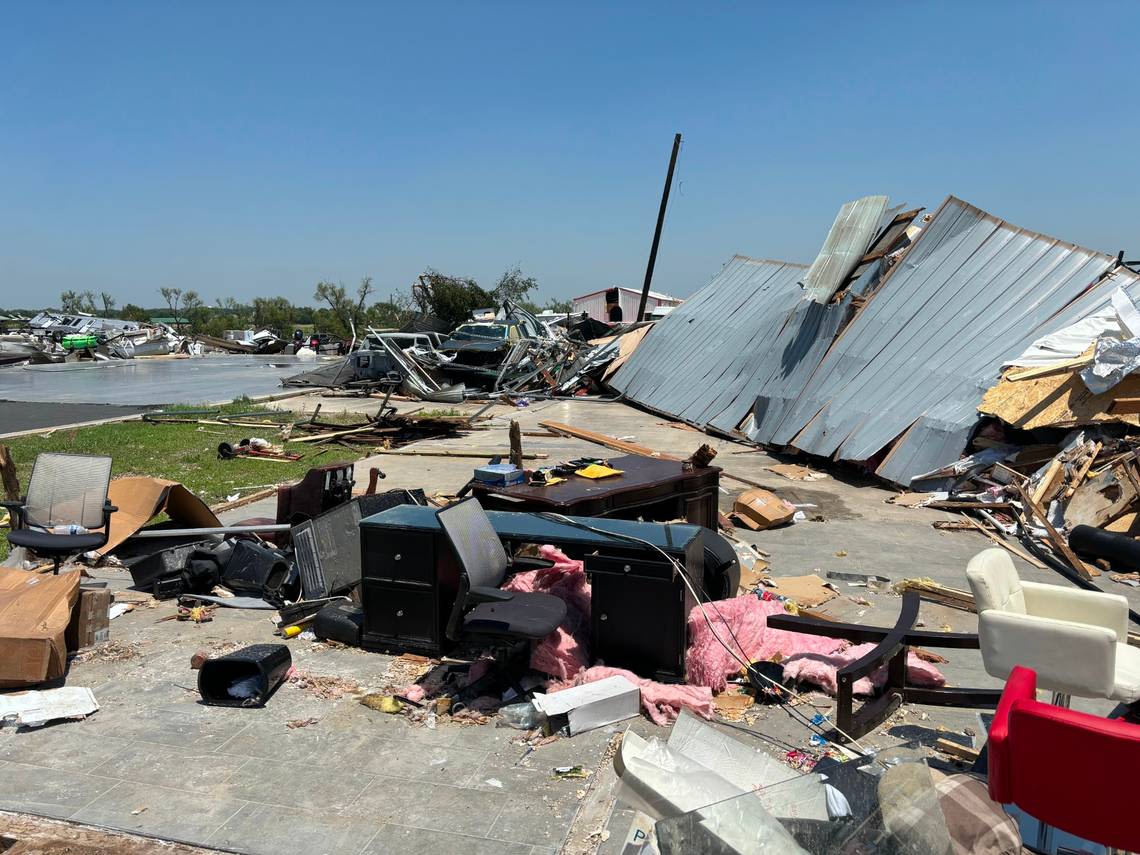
(64, 490)
(482, 610)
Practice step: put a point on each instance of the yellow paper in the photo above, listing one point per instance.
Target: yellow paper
(550, 482)
(594, 470)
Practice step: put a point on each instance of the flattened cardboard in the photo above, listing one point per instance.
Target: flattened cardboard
(760, 509)
(808, 591)
(139, 500)
(35, 610)
(32, 709)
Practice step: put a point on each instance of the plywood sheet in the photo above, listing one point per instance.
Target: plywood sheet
(1056, 400)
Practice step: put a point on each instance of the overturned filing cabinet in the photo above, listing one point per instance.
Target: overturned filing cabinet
(639, 604)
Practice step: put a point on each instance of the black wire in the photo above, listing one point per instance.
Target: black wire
(1055, 563)
(807, 722)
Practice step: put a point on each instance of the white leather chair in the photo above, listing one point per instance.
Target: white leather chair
(1075, 640)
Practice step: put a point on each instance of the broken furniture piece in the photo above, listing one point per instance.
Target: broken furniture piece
(411, 580)
(66, 511)
(648, 488)
(891, 649)
(1031, 744)
(509, 620)
(1076, 641)
(322, 489)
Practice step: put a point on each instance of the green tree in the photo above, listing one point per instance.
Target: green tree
(70, 302)
(449, 298)
(513, 286)
(88, 302)
(396, 311)
(276, 313)
(131, 312)
(194, 310)
(561, 306)
(108, 303)
(173, 298)
(345, 311)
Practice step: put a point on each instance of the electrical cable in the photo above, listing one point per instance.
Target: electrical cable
(747, 666)
(1056, 564)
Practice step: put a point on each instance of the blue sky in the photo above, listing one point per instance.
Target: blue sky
(248, 149)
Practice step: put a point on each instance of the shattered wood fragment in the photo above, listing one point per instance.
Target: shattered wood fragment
(8, 475)
(795, 472)
(1081, 473)
(1057, 540)
(1057, 400)
(957, 750)
(1049, 482)
(1024, 556)
(1101, 498)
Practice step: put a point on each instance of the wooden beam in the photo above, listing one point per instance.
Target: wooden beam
(1124, 407)
(1083, 472)
(1045, 485)
(1058, 541)
(956, 750)
(458, 452)
(8, 474)
(644, 450)
(1024, 556)
(606, 440)
(1051, 368)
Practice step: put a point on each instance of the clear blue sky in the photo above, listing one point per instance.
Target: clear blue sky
(247, 149)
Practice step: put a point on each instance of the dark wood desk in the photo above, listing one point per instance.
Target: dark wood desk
(649, 488)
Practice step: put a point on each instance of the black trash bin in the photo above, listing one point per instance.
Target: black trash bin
(244, 678)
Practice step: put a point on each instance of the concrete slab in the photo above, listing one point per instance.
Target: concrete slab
(364, 782)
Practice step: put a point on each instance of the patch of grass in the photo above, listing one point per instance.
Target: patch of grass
(179, 452)
(438, 414)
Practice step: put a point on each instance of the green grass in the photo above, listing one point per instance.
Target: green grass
(179, 452)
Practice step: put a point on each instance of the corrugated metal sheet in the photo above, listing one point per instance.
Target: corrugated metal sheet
(698, 363)
(971, 292)
(593, 305)
(855, 226)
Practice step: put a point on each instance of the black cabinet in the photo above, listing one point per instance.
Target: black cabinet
(638, 616)
(410, 581)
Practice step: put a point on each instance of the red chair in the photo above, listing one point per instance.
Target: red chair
(1065, 768)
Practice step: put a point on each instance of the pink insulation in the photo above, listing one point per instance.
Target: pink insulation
(820, 669)
(567, 650)
(662, 702)
(707, 663)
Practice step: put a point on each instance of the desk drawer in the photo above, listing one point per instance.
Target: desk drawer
(394, 555)
(400, 611)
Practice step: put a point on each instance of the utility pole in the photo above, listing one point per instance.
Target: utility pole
(657, 231)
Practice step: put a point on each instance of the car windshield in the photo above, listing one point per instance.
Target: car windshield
(474, 331)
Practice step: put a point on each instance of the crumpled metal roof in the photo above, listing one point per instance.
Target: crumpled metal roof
(699, 361)
(855, 226)
(970, 293)
(892, 369)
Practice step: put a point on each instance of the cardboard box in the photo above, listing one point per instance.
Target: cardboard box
(90, 619)
(35, 610)
(759, 509)
(590, 705)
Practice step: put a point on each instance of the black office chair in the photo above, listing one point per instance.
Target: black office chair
(483, 612)
(65, 489)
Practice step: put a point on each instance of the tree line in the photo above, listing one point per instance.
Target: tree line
(338, 308)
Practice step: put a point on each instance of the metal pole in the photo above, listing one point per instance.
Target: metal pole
(657, 231)
(221, 529)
